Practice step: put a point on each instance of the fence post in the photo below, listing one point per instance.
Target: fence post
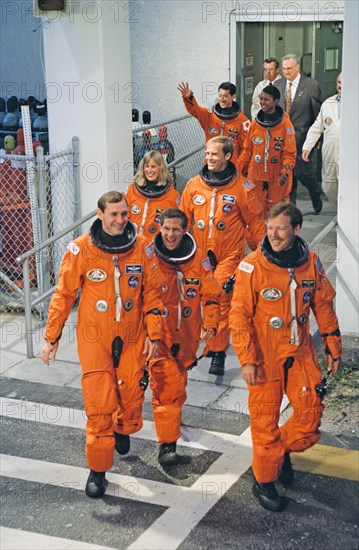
(76, 176)
(44, 262)
(27, 300)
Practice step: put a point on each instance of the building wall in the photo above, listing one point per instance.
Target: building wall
(21, 51)
(174, 41)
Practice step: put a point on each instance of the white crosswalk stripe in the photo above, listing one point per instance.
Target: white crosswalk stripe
(185, 506)
(13, 539)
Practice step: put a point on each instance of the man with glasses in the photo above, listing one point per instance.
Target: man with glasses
(300, 97)
(224, 119)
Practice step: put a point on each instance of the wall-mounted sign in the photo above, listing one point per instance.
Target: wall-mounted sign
(249, 57)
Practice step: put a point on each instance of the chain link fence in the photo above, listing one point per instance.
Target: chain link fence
(173, 138)
(39, 196)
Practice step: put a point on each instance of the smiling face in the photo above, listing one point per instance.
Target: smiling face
(172, 232)
(114, 218)
(215, 158)
(225, 99)
(267, 103)
(281, 233)
(152, 170)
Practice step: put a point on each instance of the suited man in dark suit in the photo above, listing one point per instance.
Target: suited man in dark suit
(300, 96)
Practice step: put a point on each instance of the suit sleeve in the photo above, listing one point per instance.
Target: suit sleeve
(314, 132)
(245, 123)
(244, 338)
(70, 280)
(251, 210)
(322, 306)
(151, 293)
(247, 151)
(186, 204)
(200, 113)
(290, 148)
(210, 299)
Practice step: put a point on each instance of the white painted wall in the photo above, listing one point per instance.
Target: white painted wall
(87, 72)
(348, 203)
(175, 40)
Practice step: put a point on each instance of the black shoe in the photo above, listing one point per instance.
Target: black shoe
(317, 203)
(122, 443)
(268, 496)
(287, 473)
(167, 455)
(96, 484)
(217, 363)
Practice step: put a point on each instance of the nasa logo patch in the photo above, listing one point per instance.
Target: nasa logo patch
(133, 281)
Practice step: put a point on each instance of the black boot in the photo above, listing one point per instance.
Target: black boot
(217, 363)
(167, 455)
(96, 484)
(316, 202)
(122, 443)
(268, 496)
(287, 473)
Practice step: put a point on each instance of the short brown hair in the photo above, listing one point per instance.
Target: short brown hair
(287, 209)
(272, 60)
(227, 144)
(171, 213)
(111, 197)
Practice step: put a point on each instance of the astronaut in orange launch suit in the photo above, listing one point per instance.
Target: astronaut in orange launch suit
(220, 203)
(191, 296)
(151, 192)
(276, 287)
(118, 330)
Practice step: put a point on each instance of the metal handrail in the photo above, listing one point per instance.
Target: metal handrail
(24, 260)
(141, 127)
(327, 229)
(54, 238)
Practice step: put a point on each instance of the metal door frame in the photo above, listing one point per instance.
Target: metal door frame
(254, 13)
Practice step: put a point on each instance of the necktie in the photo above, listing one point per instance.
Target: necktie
(288, 98)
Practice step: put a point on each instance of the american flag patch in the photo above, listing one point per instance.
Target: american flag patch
(207, 264)
(290, 131)
(150, 251)
(249, 185)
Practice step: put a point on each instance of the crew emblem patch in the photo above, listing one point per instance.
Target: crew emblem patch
(96, 275)
(271, 294)
(135, 209)
(198, 199)
(257, 140)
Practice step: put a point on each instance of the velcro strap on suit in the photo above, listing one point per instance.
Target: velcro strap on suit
(332, 343)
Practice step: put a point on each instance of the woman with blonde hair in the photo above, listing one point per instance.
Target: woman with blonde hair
(150, 194)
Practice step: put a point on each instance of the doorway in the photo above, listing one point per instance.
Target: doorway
(319, 44)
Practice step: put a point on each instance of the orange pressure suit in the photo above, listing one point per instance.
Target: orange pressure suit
(190, 292)
(120, 297)
(270, 324)
(216, 121)
(269, 151)
(220, 211)
(146, 204)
